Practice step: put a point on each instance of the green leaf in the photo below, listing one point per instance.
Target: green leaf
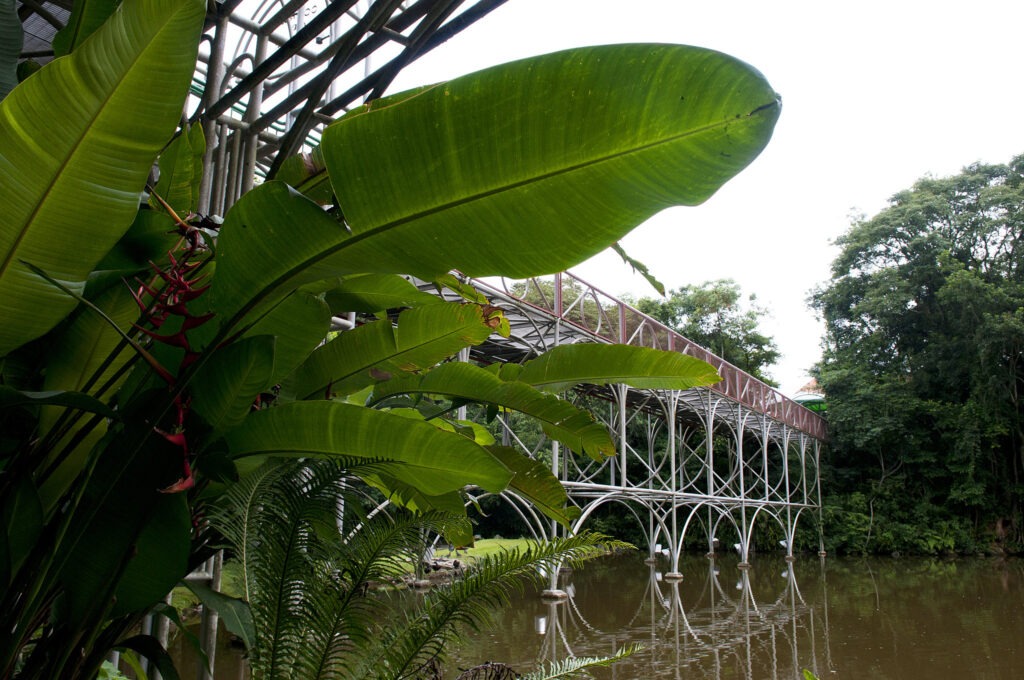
(160, 556)
(181, 171)
(535, 482)
(464, 290)
(164, 609)
(148, 647)
(27, 68)
(307, 174)
(86, 17)
(299, 323)
(640, 268)
(10, 397)
(563, 367)
(84, 358)
(422, 337)
(480, 175)
(224, 391)
(413, 499)
(11, 39)
(560, 419)
(574, 667)
(233, 612)
(414, 453)
(272, 241)
(150, 237)
(21, 519)
(376, 292)
(121, 496)
(119, 96)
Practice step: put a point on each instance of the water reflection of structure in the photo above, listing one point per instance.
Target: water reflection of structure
(733, 625)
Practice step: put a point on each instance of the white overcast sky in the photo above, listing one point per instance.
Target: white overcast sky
(876, 94)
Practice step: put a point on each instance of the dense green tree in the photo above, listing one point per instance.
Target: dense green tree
(922, 366)
(715, 315)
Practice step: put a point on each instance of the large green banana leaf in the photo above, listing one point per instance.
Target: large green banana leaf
(181, 171)
(376, 292)
(224, 391)
(520, 169)
(299, 324)
(560, 419)
(422, 337)
(535, 483)
(86, 17)
(86, 361)
(563, 367)
(77, 141)
(272, 241)
(532, 166)
(414, 453)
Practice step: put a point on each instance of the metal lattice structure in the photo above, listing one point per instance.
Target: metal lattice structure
(705, 458)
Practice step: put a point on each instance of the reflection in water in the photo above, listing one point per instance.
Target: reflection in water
(718, 622)
(841, 618)
(883, 619)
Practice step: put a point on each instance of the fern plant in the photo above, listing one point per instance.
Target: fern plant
(310, 555)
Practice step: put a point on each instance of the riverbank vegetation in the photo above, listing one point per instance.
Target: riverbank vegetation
(923, 370)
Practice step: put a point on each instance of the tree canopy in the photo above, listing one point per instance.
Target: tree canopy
(715, 316)
(922, 364)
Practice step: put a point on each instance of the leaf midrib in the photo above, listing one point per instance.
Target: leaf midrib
(29, 222)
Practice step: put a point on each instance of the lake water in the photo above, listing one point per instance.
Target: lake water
(840, 618)
(843, 618)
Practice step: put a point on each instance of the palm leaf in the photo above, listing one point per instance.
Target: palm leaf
(119, 96)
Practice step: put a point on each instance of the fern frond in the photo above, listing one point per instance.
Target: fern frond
(570, 668)
(470, 602)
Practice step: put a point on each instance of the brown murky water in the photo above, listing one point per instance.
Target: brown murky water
(840, 618)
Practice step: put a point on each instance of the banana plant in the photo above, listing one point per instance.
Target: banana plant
(149, 353)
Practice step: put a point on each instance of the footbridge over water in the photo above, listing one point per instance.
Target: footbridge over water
(716, 460)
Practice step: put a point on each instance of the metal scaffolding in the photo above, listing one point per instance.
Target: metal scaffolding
(701, 459)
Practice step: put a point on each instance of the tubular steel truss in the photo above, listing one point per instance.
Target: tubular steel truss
(707, 458)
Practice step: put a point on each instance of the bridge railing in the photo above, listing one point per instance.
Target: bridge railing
(572, 300)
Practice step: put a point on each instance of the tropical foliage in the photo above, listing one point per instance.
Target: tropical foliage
(715, 316)
(312, 610)
(151, 355)
(922, 369)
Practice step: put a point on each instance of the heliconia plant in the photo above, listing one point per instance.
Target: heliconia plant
(150, 353)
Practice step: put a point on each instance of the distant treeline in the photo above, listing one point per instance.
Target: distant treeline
(923, 370)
